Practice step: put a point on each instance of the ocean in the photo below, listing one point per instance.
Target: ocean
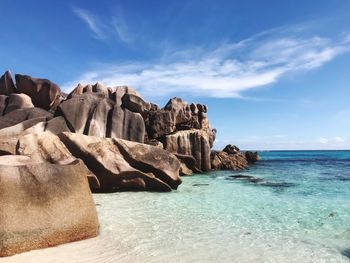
(292, 206)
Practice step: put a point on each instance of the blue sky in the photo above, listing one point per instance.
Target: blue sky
(274, 74)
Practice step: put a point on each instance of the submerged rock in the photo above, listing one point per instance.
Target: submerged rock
(43, 205)
(277, 184)
(251, 179)
(260, 181)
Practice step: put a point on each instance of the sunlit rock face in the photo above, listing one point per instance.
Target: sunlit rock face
(43, 205)
(44, 93)
(55, 149)
(125, 165)
(231, 158)
(180, 129)
(35, 105)
(96, 110)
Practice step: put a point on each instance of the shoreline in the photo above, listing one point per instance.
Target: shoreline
(129, 233)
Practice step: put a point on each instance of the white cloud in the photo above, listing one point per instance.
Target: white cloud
(226, 71)
(280, 142)
(333, 140)
(92, 22)
(323, 140)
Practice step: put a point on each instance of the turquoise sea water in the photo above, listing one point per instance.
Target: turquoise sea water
(298, 212)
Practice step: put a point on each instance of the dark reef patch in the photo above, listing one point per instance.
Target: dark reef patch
(346, 252)
(248, 178)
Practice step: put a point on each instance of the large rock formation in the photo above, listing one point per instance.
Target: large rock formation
(221, 160)
(44, 93)
(8, 145)
(114, 112)
(96, 114)
(7, 86)
(231, 158)
(21, 115)
(183, 129)
(125, 165)
(53, 146)
(47, 147)
(193, 143)
(251, 157)
(16, 101)
(43, 205)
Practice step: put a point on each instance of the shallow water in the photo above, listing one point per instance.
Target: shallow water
(298, 212)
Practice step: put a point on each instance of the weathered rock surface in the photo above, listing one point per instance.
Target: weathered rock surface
(17, 129)
(189, 161)
(251, 157)
(123, 165)
(47, 147)
(17, 101)
(44, 147)
(16, 160)
(95, 115)
(183, 129)
(159, 123)
(135, 103)
(44, 93)
(80, 89)
(127, 125)
(43, 205)
(55, 126)
(53, 146)
(13, 102)
(221, 160)
(231, 149)
(180, 112)
(150, 159)
(21, 115)
(115, 112)
(192, 143)
(231, 158)
(3, 104)
(8, 145)
(115, 93)
(7, 86)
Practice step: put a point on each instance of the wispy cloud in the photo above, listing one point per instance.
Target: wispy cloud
(92, 22)
(109, 28)
(225, 71)
(121, 28)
